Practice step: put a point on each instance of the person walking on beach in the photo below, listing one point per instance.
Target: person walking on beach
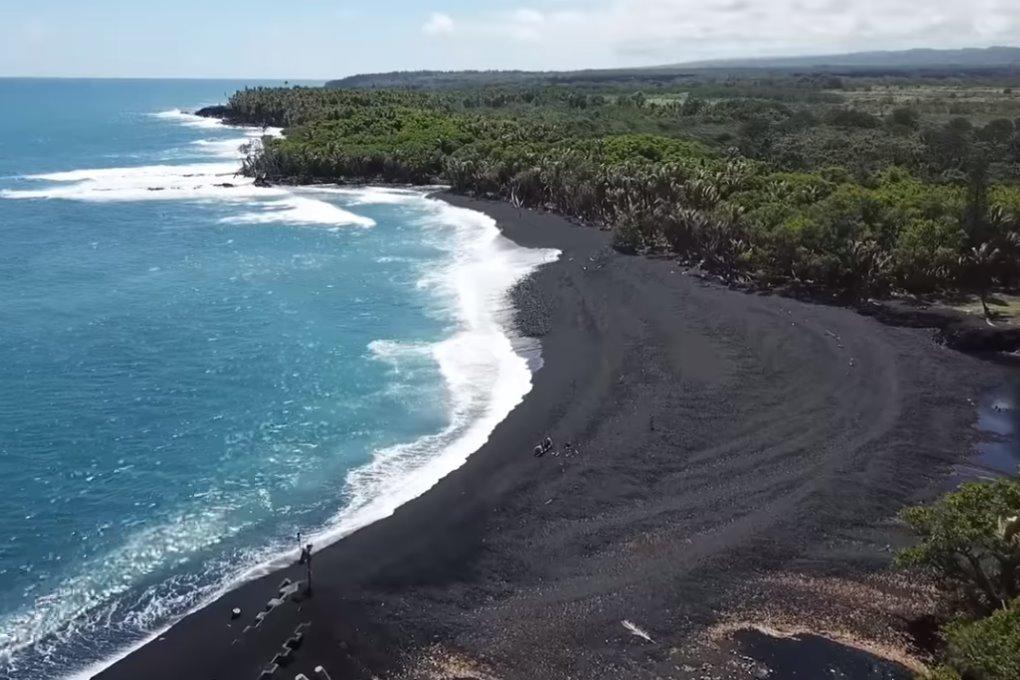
(306, 559)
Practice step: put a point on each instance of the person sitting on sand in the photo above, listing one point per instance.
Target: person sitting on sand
(539, 451)
(547, 444)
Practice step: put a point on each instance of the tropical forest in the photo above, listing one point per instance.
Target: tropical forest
(863, 184)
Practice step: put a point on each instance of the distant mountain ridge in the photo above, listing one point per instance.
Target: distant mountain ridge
(923, 59)
(973, 57)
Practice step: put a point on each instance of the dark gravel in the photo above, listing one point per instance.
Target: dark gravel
(716, 436)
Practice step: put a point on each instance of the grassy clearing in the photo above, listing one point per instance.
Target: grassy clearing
(1005, 307)
(979, 103)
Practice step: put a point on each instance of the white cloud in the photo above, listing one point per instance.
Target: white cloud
(439, 24)
(605, 32)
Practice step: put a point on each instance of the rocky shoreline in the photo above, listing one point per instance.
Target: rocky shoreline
(228, 116)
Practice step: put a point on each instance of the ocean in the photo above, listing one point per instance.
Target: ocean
(193, 369)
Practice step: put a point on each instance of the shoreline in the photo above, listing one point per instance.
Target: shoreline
(524, 346)
(495, 562)
(954, 328)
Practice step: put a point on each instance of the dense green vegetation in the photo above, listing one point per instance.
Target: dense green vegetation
(970, 543)
(861, 185)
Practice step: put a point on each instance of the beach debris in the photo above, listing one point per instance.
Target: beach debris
(290, 590)
(269, 672)
(286, 654)
(235, 613)
(285, 657)
(839, 341)
(300, 676)
(638, 632)
(321, 673)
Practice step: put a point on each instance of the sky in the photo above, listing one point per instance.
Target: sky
(321, 39)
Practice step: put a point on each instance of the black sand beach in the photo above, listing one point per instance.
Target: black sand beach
(728, 449)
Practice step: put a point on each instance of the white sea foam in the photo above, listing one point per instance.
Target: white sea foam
(194, 181)
(235, 147)
(300, 210)
(89, 598)
(393, 352)
(485, 380)
(373, 195)
(485, 377)
(191, 120)
(207, 181)
(224, 148)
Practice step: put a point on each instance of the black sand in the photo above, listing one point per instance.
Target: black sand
(719, 436)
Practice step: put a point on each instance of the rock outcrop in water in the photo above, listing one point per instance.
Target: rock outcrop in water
(227, 115)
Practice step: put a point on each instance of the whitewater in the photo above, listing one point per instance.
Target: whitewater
(369, 418)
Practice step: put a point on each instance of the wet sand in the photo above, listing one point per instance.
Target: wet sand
(717, 436)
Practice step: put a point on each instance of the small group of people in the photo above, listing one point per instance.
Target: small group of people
(547, 446)
(544, 447)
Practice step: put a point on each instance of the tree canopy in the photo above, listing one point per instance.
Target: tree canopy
(768, 179)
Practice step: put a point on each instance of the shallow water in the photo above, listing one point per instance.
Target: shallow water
(998, 451)
(194, 368)
(810, 657)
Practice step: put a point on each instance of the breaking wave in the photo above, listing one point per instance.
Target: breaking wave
(485, 377)
(205, 181)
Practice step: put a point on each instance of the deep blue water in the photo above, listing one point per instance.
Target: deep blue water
(192, 369)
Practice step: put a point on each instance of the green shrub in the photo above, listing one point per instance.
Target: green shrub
(967, 547)
(987, 649)
(832, 195)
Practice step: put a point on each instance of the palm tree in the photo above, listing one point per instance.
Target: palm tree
(979, 268)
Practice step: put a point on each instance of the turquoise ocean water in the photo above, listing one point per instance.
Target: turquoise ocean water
(192, 368)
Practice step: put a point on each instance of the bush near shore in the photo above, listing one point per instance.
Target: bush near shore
(792, 188)
(970, 544)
